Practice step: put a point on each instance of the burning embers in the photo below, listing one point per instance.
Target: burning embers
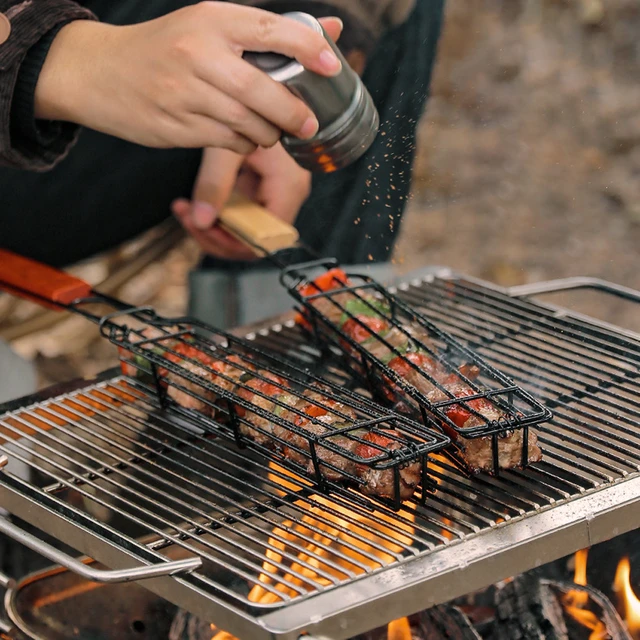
(331, 543)
(579, 603)
(628, 602)
(576, 601)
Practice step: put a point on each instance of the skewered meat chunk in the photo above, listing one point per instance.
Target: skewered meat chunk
(380, 482)
(316, 420)
(422, 372)
(131, 364)
(368, 321)
(191, 394)
(260, 393)
(478, 452)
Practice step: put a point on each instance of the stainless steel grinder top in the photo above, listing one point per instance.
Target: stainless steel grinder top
(348, 118)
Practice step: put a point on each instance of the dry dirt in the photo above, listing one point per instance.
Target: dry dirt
(529, 161)
(528, 166)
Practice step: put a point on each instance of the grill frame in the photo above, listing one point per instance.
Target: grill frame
(538, 535)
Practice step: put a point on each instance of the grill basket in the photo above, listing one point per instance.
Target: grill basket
(325, 309)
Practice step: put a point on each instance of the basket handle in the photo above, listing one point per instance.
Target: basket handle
(38, 282)
(568, 284)
(256, 227)
(89, 573)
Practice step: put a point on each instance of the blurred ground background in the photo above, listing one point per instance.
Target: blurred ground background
(528, 169)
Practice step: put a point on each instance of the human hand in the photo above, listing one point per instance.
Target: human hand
(180, 80)
(269, 177)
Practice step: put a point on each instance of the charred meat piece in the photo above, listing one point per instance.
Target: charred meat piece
(380, 482)
(232, 372)
(188, 388)
(260, 393)
(329, 307)
(421, 371)
(137, 366)
(315, 415)
(477, 452)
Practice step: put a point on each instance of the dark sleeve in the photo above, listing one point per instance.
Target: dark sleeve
(26, 143)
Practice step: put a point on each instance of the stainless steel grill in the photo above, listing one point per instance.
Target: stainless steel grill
(115, 469)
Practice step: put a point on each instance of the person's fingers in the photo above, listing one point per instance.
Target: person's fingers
(284, 193)
(197, 130)
(333, 27)
(180, 207)
(212, 103)
(217, 176)
(282, 185)
(280, 34)
(261, 94)
(224, 245)
(213, 241)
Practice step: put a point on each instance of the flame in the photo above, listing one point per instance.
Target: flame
(335, 541)
(399, 630)
(445, 532)
(574, 601)
(629, 600)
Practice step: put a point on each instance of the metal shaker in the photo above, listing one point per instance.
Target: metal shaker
(348, 118)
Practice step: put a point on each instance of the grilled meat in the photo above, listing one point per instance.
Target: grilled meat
(317, 415)
(133, 364)
(380, 482)
(260, 393)
(311, 414)
(189, 393)
(367, 321)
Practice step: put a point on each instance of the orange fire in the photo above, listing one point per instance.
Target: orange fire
(399, 630)
(332, 545)
(628, 599)
(575, 601)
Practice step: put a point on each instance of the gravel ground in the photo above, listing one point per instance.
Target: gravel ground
(529, 162)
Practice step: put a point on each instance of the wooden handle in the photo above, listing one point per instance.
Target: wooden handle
(38, 282)
(256, 227)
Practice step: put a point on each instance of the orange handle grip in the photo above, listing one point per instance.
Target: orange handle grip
(38, 282)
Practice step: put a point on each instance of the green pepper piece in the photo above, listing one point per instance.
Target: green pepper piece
(359, 307)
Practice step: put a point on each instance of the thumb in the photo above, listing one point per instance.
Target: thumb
(215, 181)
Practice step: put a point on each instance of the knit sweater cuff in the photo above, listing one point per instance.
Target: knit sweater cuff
(56, 136)
(24, 142)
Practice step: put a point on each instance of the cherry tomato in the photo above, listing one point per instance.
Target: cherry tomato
(459, 414)
(332, 279)
(267, 388)
(315, 411)
(379, 443)
(373, 326)
(400, 364)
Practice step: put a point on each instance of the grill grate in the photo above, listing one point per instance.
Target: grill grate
(108, 451)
